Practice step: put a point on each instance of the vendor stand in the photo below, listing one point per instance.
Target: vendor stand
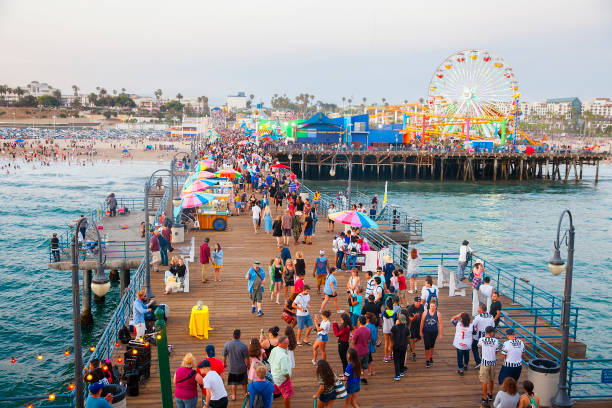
(213, 216)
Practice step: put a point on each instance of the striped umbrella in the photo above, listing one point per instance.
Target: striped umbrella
(199, 185)
(204, 165)
(354, 219)
(196, 200)
(229, 173)
(202, 175)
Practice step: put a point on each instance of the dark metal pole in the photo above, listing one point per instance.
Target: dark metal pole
(76, 319)
(147, 244)
(172, 180)
(350, 178)
(561, 398)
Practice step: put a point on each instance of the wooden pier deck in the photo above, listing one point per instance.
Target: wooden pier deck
(439, 386)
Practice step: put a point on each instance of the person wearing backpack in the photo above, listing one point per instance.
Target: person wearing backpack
(255, 277)
(429, 292)
(186, 380)
(260, 391)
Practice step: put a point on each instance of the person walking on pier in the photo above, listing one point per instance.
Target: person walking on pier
(462, 340)
(236, 358)
(112, 204)
(489, 345)
(155, 247)
(163, 248)
(465, 256)
(255, 277)
(217, 261)
(83, 227)
(512, 350)
(414, 313)
(320, 270)
(286, 226)
(205, 257)
(480, 324)
(280, 367)
(431, 330)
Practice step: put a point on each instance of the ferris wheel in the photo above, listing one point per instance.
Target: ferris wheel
(474, 84)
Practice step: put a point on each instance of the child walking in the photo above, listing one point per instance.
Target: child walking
(322, 325)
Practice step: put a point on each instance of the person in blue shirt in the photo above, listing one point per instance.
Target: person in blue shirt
(260, 388)
(285, 254)
(331, 290)
(138, 310)
(255, 277)
(269, 180)
(95, 400)
(356, 305)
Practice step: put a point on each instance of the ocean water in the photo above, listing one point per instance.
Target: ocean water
(36, 312)
(514, 226)
(510, 224)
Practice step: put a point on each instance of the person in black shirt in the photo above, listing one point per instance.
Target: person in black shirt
(414, 313)
(370, 306)
(400, 333)
(496, 308)
(55, 248)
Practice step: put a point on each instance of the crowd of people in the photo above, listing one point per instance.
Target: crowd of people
(386, 320)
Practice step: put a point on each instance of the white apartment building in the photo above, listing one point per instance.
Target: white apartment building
(599, 107)
(37, 89)
(236, 102)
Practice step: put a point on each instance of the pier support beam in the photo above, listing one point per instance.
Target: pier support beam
(442, 169)
(597, 172)
(125, 280)
(86, 317)
(113, 275)
(495, 170)
(521, 171)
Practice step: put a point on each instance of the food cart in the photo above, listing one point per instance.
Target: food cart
(213, 216)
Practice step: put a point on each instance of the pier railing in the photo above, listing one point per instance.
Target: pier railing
(112, 250)
(106, 345)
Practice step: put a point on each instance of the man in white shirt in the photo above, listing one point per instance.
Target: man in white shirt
(370, 285)
(462, 261)
(481, 321)
(256, 216)
(340, 250)
(512, 350)
(489, 346)
(304, 320)
(216, 395)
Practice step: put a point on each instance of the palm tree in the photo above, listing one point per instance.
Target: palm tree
(122, 90)
(405, 101)
(114, 92)
(75, 89)
(92, 97)
(19, 92)
(179, 97)
(343, 100)
(251, 97)
(384, 100)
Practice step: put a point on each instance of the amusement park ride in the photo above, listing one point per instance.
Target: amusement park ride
(473, 95)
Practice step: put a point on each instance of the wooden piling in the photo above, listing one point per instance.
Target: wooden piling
(495, 170)
(125, 279)
(86, 316)
(521, 171)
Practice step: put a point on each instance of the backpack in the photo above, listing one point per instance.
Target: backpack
(430, 295)
(258, 401)
(468, 257)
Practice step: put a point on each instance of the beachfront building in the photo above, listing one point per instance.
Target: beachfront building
(146, 103)
(567, 107)
(321, 129)
(599, 107)
(236, 102)
(37, 89)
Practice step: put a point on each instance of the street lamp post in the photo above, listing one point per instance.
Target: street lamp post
(332, 173)
(556, 266)
(147, 188)
(76, 319)
(290, 157)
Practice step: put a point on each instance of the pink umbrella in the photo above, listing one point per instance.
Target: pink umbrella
(280, 166)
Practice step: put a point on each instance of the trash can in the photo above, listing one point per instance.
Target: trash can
(119, 393)
(178, 233)
(544, 374)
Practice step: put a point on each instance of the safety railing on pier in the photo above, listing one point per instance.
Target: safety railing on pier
(127, 203)
(57, 401)
(111, 250)
(106, 345)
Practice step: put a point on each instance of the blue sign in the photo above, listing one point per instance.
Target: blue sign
(606, 376)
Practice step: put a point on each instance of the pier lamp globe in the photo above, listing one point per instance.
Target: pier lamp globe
(176, 201)
(332, 172)
(556, 264)
(100, 284)
(290, 157)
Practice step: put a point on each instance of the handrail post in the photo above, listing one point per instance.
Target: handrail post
(552, 311)
(535, 329)
(531, 302)
(513, 289)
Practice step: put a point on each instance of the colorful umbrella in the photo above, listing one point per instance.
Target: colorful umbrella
(229, 173)
(204, 164)
(280, 166)
(196, 200)
(354, 219)
(201, 175)
(265, 139)
(199, 185)
(243, 142)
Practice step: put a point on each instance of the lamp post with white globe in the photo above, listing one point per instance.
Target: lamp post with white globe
(556, 266)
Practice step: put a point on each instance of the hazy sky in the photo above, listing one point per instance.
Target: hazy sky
(331, 48)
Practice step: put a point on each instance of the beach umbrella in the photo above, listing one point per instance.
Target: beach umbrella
(353, 218)
(199, 185)
(204, 164)
(266, 139)
(196, 200)
(201, 175)
(125, 151)
(243, 142)
(229, 173)
(280, 166)
(19, 141)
